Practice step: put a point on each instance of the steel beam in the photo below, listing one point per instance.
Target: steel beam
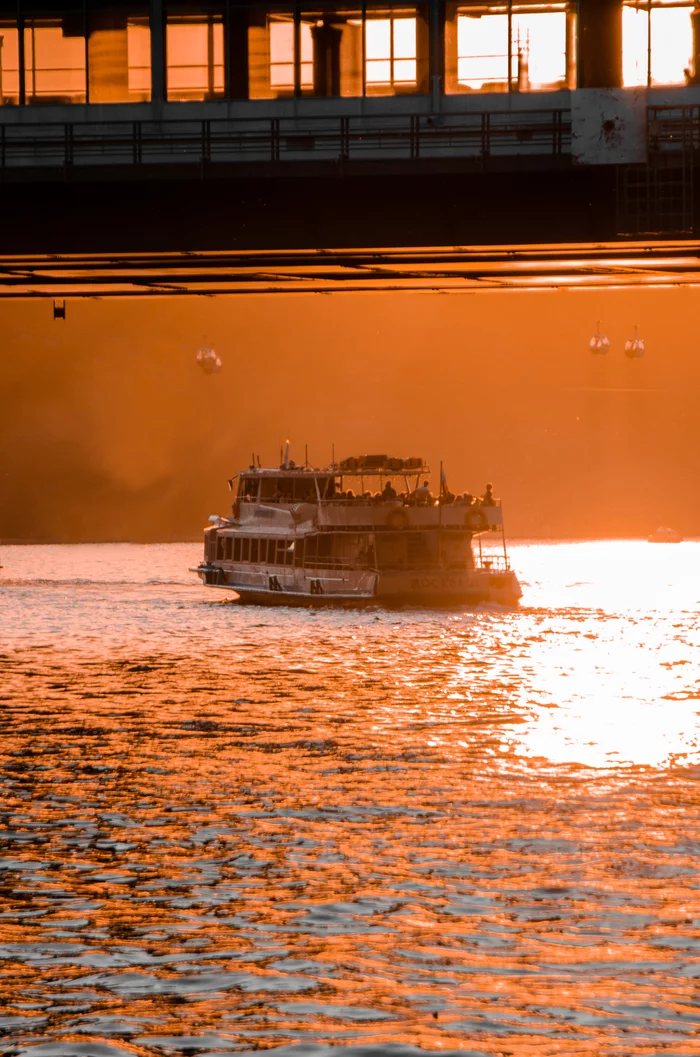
(422, 270)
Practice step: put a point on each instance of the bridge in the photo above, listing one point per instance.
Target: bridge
(416, 270)
(166, 126)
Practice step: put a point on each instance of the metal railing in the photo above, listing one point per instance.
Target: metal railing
(481, 135)
(494, 563)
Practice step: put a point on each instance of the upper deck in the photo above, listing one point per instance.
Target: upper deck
(388, 494)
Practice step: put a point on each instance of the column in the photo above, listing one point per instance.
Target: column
(436, 51)
(695, 67)
(157, 20)
(108, 58)
(600, 44)
(236, 51)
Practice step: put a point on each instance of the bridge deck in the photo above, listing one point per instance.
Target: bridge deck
(445, 269)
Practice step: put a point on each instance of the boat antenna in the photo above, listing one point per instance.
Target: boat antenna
(258, 462)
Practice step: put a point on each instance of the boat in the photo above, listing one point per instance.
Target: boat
(665, 535)
(304, 536)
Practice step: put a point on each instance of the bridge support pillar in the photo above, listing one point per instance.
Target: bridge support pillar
(157, 19)
(237, 86)
(695, 61)
(600, 44)
(436, 51)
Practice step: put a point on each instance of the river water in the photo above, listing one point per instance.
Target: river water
(226, 829)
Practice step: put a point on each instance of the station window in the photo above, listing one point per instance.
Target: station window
(283, 55)
(329, 50)
(539, 48)
(481, 39)
(119, 54)
(55, 59)
(657, 43)
(9, 63)
(195, 56)
(391, 57)
(280, 54)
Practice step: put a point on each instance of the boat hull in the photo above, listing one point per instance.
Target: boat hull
(361, 588)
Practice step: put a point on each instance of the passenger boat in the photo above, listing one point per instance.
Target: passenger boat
(301, 536)
(665, 535)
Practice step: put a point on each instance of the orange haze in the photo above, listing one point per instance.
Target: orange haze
(110, 431)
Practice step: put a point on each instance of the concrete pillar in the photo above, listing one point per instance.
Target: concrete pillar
(571, 47)
(237, 86)
(600, 44)
(157, 20)
(108, 58)
(695, 62)
(436, 51)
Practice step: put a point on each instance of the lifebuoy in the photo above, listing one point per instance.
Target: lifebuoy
(397, 518)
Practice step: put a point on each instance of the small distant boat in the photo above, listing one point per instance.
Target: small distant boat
(665, 535)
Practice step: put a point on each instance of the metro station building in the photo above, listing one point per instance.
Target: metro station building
(150, 90)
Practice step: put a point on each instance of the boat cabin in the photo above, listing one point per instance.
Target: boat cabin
(293, 484)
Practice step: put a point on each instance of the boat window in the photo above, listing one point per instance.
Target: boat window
(269, 488)
(299, 552)
(228, 548)
(254, 550)
(248, 486)
(219, 548)
(289, 554)
(304, 490)
(237, 549)
(311, 543)
(325, 545)
(271, 551)
(245, 551)
(281, 547)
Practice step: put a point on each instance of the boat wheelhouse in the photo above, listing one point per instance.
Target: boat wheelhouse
(303, 536)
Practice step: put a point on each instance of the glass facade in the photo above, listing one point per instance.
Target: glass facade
(657, 43)
(55, 59)
(9, 62)
(509, 47)
(194, 47)
(120, 52)
(396, 51)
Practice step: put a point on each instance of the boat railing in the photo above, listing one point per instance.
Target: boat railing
(360, 500)
(495, 563)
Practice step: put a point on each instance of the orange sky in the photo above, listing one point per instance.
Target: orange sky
(110, 431)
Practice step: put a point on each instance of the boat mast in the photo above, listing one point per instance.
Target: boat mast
(440, 521)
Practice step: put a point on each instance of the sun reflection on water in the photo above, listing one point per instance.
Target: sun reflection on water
(227, 827)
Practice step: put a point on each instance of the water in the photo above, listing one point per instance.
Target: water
(227, 829)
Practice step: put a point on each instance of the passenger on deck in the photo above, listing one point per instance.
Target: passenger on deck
(487, 499)
(349, 496)
(388, 492)
(422, 494)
